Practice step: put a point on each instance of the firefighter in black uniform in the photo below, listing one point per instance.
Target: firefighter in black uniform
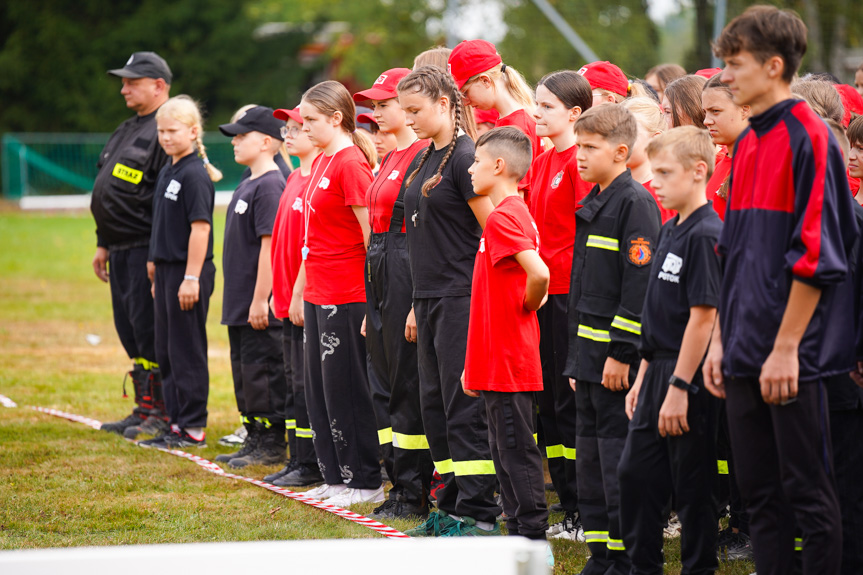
(617, 225)
(122, 205)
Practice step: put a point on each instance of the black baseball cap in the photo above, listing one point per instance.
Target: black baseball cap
(144, 65)
(257, 119)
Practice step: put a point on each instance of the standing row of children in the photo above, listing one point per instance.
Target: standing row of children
(431, 306)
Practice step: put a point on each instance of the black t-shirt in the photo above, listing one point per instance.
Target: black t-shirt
(184, 194)
(122, 200)
(685, 273)
(284, 168)
(251, 214)
(442, 232)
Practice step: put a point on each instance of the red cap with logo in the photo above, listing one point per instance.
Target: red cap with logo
(384, 87)
(366, 118)
(485, 116)
(284, 114)
(472, 57)
(606, 76)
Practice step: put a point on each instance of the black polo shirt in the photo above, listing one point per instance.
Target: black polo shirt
(122, 200)
(685, 273)
(444, 236)
(184, 194)
(251, 214)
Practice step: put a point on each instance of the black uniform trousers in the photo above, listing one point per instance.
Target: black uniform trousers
(651, 466)
(455, 424)
(600, 436)
(556, 401)
(785, 473)
(738, 517)
(393, 370)
(517, 462)
(258, 370)
(302, 448)
(337, 393)
(181, 344)
(846, 430)
(132, 301)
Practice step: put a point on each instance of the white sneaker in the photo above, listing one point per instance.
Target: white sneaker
(324, 491)
(351, 496)
(673, 529)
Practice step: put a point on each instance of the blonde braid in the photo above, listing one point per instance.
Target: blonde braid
(212, 171)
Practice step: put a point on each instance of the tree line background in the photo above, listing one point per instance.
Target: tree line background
(227, 53)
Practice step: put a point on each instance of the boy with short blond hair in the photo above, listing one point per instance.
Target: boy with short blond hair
(782, 315)
(671, 443)
(617, 226)
(510, 282)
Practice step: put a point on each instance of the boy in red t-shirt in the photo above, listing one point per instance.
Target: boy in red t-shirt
(510, 282)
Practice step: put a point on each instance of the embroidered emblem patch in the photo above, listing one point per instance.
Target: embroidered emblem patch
(639, 251)
(557, 179)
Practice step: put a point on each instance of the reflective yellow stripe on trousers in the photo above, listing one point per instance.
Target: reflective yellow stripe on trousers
(385, 435)
(596, 536)
(616, 545)
(464, 468)
(560, 450)
(304, 433)
(405, 441)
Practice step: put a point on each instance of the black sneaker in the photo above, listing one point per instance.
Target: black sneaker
(160, 441)
(392, 509)
(292, 464)
(739, 548)
(183, 439)
(725, 537)
(120, 426)
(151, 426)
(302, 476)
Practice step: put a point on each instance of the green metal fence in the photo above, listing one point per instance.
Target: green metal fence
(40, 164)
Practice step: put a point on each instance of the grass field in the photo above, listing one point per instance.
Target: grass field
(63, 484)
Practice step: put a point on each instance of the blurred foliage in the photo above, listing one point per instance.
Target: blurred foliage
(617, 31)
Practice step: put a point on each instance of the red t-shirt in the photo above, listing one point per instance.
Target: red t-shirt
(287, 242)
(336, 256)
(853, 183)
(557, 189)
(719, 177)
(523, 121)
(384, 191)
(666, 214)
(503, 335)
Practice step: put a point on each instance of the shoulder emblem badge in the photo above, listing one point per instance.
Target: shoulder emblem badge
(639, 251)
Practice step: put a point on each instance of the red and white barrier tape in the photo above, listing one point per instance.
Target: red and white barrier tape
(384, 530)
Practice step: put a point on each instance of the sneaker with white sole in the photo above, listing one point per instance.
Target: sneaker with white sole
(351, 496)
(325, 491)
(236, 438)
(570, 528)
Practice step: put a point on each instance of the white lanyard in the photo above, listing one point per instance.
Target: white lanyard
(307, 212)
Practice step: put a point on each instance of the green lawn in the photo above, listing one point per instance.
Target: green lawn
(64, 484)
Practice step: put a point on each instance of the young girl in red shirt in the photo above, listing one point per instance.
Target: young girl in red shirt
(487, 83)
(302, 468)
(336, 232)
(557, 188)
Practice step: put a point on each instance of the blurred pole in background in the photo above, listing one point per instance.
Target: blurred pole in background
(564, 28)
(718, 25)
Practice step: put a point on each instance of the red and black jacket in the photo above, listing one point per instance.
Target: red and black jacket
(789, 218)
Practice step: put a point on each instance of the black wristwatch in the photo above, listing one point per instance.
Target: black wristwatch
(682, 384)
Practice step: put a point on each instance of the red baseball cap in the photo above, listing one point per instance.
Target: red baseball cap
(708, 72)
(472, 57)
(284, 114)
(485, 116)
(384, 87)
(851, 101)
(366, 118)
(606, 76)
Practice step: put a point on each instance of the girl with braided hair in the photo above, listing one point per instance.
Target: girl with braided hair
(444, 224)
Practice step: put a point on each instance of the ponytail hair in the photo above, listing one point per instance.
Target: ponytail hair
(434, 83)
(684, 97)
(648, 114)
(516, 85)
(185, 110)
(330, 97)
(437, 56)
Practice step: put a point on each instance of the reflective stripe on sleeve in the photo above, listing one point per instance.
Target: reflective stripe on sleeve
(595, 536)
(616, 545)
(626, 325)
(593, 334)
(603, 243)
